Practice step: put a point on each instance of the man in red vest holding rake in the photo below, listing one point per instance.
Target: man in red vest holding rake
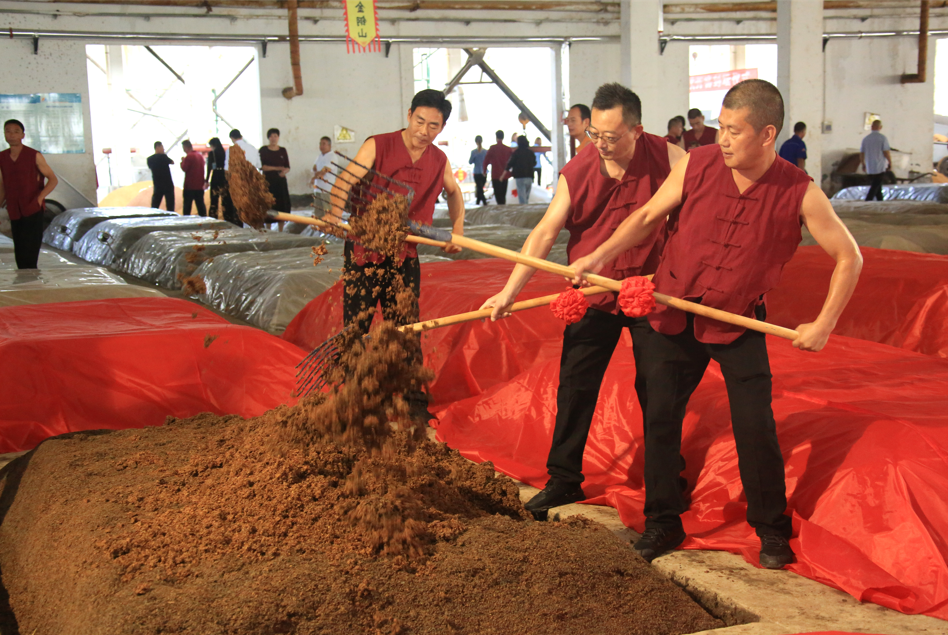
(733, 221)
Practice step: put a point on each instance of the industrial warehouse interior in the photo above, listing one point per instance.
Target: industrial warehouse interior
(474, 317)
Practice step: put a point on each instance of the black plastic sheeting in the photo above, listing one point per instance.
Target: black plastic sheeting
(71, 225)
(109, 240)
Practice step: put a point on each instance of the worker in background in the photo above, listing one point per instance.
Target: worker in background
(700, 134)
(496, 161)
(577, 120)
(323, 175)
(162, 186)
(23, 171)
(793, 149)
(193, 191)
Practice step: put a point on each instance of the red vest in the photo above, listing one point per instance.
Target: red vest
(425, 177)
(708, 138)
(22, 182)
(599, 204)
(724, 247)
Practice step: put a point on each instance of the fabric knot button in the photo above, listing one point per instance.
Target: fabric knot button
(635, 297)
(570, 306)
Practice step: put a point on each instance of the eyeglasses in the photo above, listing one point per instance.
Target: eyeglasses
(610, 141)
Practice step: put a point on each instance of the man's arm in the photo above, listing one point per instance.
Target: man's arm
(637, 226)
(675, 154)
(831, 234)
(888, 157)
(801, 163)
(538, 245)
(344, 182)
(51, 180)
(3, 193)
(455, 207)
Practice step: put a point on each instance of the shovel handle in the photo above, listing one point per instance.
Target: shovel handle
(325, 224)
(485, 313)
(615, 285)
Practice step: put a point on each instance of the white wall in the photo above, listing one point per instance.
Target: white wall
(862, 75)
(59, 67)
(359, 91)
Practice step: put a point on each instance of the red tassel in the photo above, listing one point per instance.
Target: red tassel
(635, 297)
(570, 306)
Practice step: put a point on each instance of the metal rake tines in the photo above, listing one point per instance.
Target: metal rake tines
(312, 371)
(371, 174)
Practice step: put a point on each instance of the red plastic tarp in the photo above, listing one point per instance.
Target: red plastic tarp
(128, 363)
(901, 298)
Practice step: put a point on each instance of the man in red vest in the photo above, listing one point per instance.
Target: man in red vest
(410, 157)
(733, 214)
(22, 171)
(619, 170)
(699, 134)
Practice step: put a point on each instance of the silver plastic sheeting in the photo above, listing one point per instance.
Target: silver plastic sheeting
(499, 236)
(24, 279)
(6, 244)
(71, 225)
(164, 258)
(108, 241)
(846, 207)
(932, 192)
(513, 215)
(47, 260)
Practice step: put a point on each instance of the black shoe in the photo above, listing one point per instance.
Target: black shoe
(775, 552)
(555, 494)
(658, 541)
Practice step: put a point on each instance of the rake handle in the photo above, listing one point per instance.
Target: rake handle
(615, 285)
(485, 313)
(318, 222)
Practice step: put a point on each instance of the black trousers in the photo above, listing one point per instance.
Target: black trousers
(230, 212)
(363, 291)
(875, 187)
(218, 184)
(27, 239)
(480, 180)
(673, 365)
(587, 348)
(197, 196)
(539, 171)
(500, 191)
(165, 193)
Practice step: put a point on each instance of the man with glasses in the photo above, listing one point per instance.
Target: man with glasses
(619, 170)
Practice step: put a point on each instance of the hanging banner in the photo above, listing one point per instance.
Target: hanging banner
(720, 81)
(362, 33)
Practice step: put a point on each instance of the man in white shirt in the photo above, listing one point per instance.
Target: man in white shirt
(253, 155)
(324, 175)
(875, 158)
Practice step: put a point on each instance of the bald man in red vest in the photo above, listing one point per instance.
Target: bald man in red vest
(410, 157)
(733, 214)
(619, 170)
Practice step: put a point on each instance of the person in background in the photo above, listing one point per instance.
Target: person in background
(577, 120)
(480, 179)
(700, 134)
(496, 160)
(249, 151)
(540, 156)
(323, 176)
(794, 149)
(22, 171)
(216, 178)
(675, 129)
(520, 164)
(275, 163)
(513, 140)
(161, 182)
(875, 157)
(193, 167)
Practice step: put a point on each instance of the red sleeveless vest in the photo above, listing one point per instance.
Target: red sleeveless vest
(599, 204)
(724, 247)
(22, 182)
(425, 177)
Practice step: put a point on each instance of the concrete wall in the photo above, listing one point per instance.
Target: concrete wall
(359, 91)
(862, 75)
(59, 67)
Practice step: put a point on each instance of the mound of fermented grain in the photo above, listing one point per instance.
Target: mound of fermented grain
(248, 189)
(382, 226)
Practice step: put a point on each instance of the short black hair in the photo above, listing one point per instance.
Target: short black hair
(14, 121)
(694, 113)
(584, 111)
(762, 99)
(523, 142)
(215, 143)
(325, 139)
(235, 134)
(271, 131)
(500, 135)
(478, 139)
(431, 98)
(682, 119)
(158, 143)
(799, 127)
(614, 95)
(672, 122)
(186, 144)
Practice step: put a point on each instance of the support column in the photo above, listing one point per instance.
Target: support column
(800, 75)
(120, 161)
(641, 61)
(558, 130)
